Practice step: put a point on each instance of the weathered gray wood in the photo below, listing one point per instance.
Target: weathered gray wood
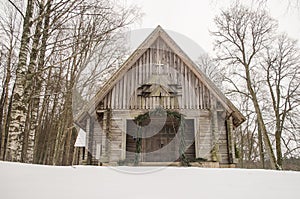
(231, 154)
(195, 99)
(125, 92)
(197, 94)
(214, 131)
(201, 96)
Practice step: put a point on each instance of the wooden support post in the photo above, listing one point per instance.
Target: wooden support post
(108, 134)
(214, 129)
(88, 141)
(197, 137)
(230, 140)
(104, 139)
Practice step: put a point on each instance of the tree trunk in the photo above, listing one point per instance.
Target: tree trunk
(32, 92)
(19, 109)
(3, 107)
(260, 120)
(261, 148)
(278, 147)
(241, 146)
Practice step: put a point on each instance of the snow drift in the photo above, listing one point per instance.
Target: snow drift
(42, 182)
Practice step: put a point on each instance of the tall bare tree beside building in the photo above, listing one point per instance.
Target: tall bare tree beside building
(245, 40)
(281, 65)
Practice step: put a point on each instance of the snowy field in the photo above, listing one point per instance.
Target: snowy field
(23, 181)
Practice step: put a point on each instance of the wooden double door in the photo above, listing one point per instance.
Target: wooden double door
(160, 140)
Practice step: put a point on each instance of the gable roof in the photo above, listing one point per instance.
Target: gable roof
(159, 32)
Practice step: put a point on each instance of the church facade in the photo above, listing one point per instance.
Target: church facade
(158, 108)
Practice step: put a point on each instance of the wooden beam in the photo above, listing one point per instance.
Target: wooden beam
(230, 143)
(215, 156)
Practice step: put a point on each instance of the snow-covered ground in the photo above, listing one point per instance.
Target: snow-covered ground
(24, 181)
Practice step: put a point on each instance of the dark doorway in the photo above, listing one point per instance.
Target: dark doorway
(160, 140)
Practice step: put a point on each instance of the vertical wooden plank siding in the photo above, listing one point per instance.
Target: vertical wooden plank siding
(194, 94)
(160, 77)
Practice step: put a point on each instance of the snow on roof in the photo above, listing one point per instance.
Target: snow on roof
(29, 181)
(80, 140)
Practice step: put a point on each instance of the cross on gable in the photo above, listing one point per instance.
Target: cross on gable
(159, 66)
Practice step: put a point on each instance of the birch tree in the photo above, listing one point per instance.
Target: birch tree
(9, 32)
(59, 39)
(19, 109)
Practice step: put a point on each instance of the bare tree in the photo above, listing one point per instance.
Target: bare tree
(19, 108)
(291, 4)
(59, 40)
(282, 70)
(9, 32)
(240, 37)
(211, 67)
(267, 65)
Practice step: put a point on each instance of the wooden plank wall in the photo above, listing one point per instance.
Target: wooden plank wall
(94, 138)
(113, 138)
(222, 138)
(194, 95)
(204, 137)
(193, 98)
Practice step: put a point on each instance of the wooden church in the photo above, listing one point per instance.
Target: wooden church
(159, 108)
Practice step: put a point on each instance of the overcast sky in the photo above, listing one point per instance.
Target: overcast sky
(194, 18)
